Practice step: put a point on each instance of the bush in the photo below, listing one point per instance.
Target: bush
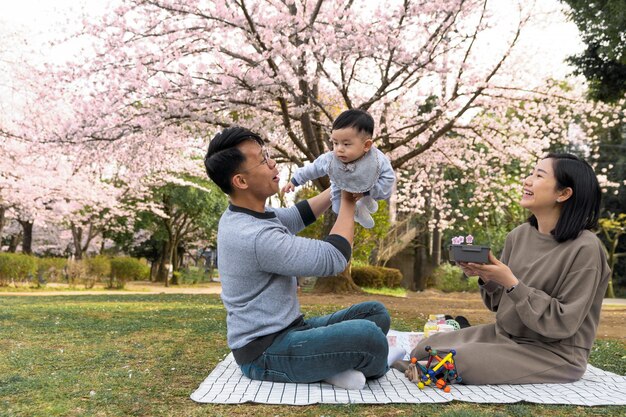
(372, 276)
(16, 267)
(450, 278)
(392, 277)
(77, 273)
(368, 276)
(98, 267)
(124, 269)
(51, 269)
(194, 275)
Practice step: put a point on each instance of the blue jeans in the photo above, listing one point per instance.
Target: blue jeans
(353, 338)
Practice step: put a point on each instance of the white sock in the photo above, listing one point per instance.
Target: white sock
(395, 354)
(350, 379)
(363, 217)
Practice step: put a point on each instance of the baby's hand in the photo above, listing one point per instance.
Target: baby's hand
(289, 187)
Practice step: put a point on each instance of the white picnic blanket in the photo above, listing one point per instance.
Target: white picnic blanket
(227, 385)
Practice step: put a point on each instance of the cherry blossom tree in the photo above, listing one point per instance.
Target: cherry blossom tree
(451, 85)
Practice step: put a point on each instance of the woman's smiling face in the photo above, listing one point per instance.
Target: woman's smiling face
(540, 187)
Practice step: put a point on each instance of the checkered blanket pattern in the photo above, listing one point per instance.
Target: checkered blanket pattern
(227, 385)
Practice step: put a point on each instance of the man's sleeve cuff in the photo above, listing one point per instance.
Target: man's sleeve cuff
(294, 182)
(340, 243)
(304, 208)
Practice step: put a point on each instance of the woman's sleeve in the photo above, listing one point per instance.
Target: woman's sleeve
(491, 292)
(561, 316)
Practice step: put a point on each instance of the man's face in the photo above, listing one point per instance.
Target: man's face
(259, 170)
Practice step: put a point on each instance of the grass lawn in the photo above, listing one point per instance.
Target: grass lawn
(126, 355)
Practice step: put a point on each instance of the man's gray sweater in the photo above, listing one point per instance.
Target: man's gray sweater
(258, 258)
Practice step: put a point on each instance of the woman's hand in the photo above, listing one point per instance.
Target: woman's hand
(468, 270)
(494, 271)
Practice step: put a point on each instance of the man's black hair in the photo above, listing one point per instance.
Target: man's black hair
(580, 211)
(357, 119)
(223, 158)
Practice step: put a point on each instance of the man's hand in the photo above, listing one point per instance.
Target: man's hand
(289, 187)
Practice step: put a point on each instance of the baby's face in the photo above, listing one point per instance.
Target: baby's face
(349, 145)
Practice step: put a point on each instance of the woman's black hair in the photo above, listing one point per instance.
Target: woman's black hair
(224, 158)
(580, 211)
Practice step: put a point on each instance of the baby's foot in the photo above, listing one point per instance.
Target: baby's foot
(370, 204)
(363, 217)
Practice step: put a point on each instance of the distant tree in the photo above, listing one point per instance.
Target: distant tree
(602, 24)
(188, 213)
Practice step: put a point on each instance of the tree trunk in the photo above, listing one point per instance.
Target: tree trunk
(423, 264)
(15, 241)
(436, 248)
(337, 284)
(165, 263)
(77, 237)
(154, 270)
(610, 292)
(27, 243)
(2, 220)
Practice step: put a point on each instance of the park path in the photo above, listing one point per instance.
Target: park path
(612, 319)
(132, 288)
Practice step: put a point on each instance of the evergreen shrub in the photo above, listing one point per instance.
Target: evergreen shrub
(51, 269)
(368, 276)
(124, 269)
(16, 267)
(392, 277)
(77, 273)
(98, 267)
(372, 276)
(450, 278)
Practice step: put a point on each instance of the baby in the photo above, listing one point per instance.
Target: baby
(354, 165)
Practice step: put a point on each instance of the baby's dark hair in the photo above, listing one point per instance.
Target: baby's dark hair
(357, 119)
(224, 158)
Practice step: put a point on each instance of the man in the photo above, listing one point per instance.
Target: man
(259, 257)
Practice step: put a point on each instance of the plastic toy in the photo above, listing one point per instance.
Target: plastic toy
(441, 371)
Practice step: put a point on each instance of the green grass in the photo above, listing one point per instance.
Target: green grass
(127, 355)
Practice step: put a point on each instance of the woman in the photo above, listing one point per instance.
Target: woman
(547, 290)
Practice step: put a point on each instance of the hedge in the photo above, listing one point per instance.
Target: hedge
(16, 267)
(376, 276)
(51, 269)
(124, 269)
